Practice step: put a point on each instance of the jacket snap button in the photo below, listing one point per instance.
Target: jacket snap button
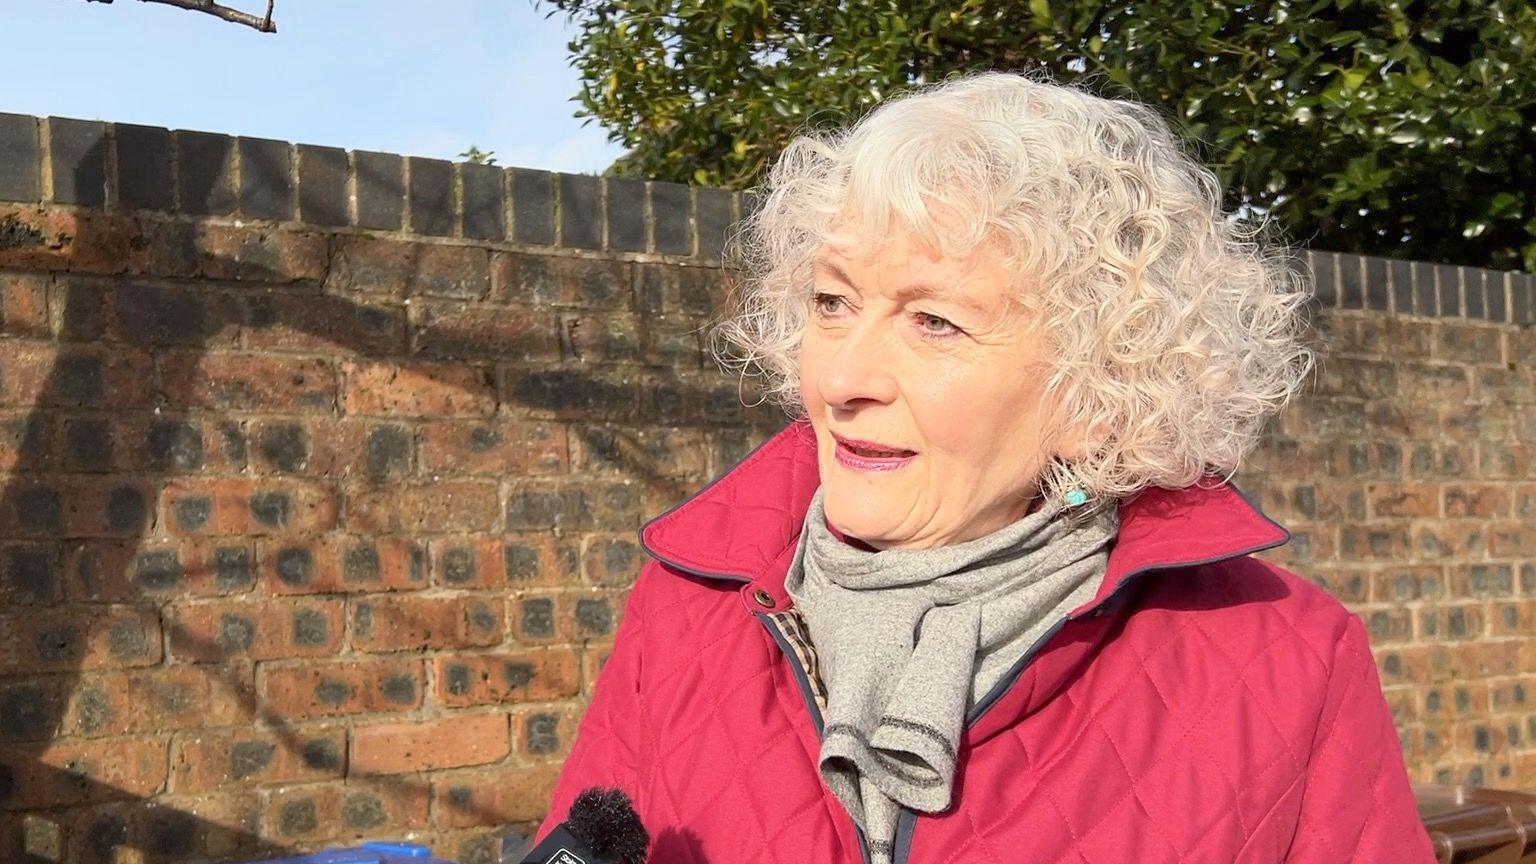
(763, 598)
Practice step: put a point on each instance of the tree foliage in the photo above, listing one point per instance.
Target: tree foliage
(1393, 127)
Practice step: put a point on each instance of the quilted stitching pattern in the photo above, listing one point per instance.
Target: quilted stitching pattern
(1231, 712)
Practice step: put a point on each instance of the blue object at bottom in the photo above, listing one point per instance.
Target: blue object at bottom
(368, 853)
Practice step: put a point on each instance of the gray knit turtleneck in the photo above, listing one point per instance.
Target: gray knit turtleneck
(908, 640)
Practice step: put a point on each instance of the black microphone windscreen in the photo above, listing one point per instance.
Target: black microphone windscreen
(606, 821)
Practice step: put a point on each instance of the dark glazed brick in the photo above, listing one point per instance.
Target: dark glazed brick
(266, 179)
(271, 508)
(362, 810)
(310, 627)
(175, 446)
(1321, 265)
(157, 570)
(432, 197)
(77, 150)
(626, 214)
(458, 565)
(542, 733)
(399, 689)
(192, 512)
(380, 189)
(1351, 282)
(533, 207)
(127, 639)
(232, 568)
(172, 834)
(126, 510)
(580, 220)
(389, 451)
(1377, 295)
(521, 561)
(538, 617)
(203, 183)
(285, 446)
(88, 443)
(38, 509)
(1401, 275)
(321, 754)
(77, 378)
(714, 206)
(322, 185)
(21, 167)
(1522, 298)
(333, 692)
(248, 757)
(143, 167)
(457, 680)
(1477, 306)
(1498, 304)
(360, 564)
(594, 615)
(672, 218)
(295, 566)
(1424, 294)
(30, 573)
(484, 201)
(298, 817)
(1450, 289)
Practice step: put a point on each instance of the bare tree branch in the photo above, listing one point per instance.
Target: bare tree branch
(265, 24)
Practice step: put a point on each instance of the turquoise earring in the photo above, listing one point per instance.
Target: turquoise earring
(1077, 497)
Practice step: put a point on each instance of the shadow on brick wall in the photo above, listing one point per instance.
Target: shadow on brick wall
(32, 714)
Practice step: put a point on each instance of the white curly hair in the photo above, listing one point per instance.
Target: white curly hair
(1177, 330)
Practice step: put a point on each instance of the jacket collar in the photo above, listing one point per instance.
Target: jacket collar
(744, 525)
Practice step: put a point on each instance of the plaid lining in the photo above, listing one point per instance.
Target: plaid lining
(799, 638)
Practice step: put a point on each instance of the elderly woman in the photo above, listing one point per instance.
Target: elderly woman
(990, 597)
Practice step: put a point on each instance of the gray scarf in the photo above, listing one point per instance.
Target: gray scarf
(909, 639)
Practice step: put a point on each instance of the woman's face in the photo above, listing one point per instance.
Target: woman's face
(921, 357)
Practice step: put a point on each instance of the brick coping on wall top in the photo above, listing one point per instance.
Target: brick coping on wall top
(125, 167)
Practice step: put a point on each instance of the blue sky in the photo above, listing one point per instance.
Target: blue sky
(403, 76)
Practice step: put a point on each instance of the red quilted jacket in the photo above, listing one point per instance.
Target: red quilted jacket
(1205, 706)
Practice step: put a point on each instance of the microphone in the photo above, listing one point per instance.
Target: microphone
(602, 828)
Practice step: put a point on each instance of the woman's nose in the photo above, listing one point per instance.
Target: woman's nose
(860, 369)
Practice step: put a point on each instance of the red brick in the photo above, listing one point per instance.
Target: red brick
(45, 374)
(83, 241)
(462, 505)
(315, 689)
(450, 329)
(114, 570)
(611, 560)
(406, 622)
(1513, 618)
(249, 757)
(261, 254)
(243, 505)
(564, 281)
(648, 454)
(238, 381)
(376, 265)
(341, 563)
(161, 699)
(81, 772)
(493, 796)
(538, 675)
(68, 637)
(1404, 499)
(24, 305)
(417, 389)
(288, 320)
(1511, 540)
(217, 445)
(495, 446)
(225, 826)
(361, 809)
(1480, 500)
(223, 631)
(108, 506)
(1408, 582)
(468, 562)
(429, 745)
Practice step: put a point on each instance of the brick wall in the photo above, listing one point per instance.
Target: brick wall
(320, 472)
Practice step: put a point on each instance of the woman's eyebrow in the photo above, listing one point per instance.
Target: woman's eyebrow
(916, 290)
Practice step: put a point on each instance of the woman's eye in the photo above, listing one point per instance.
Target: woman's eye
(933, 325)
(826, 304)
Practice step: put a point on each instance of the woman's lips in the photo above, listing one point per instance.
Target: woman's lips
(859, 457)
